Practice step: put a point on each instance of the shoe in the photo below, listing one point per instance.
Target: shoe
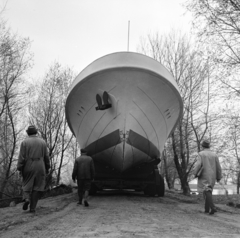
(212, 211)
(86, 204)
(206, 211)
(25, 205)
(79, 203)
(32, 210)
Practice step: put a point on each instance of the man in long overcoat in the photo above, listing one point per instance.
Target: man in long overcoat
(33, 164)
(84, 171)
(208, 164)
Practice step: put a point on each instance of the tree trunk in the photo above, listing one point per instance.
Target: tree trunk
(168, 180)
(181, 170)
(238, 182)
(3, 185)
(59, 168)
(185, 186)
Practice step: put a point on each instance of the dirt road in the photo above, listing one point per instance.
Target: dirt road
(120, 214)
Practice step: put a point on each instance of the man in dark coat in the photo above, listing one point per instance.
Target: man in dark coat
(84, 171)
(33, 164)
(208, 164)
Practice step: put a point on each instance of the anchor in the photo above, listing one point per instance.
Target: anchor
(105, 105)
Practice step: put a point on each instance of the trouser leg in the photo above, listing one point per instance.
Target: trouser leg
(34, 200)
(87, 186)
(209, 201)
(27, 199)
(86, 204)
(26, 195)
(80, 191)
(206, 202)
(86, 194)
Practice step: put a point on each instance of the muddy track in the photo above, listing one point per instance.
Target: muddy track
(114, 214)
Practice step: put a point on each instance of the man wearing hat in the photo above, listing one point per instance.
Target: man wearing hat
(33, 164)
(207, 170)
(84, 171)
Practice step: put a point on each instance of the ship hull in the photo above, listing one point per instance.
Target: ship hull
(126, 138)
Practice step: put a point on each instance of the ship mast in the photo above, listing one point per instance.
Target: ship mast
(128, 35)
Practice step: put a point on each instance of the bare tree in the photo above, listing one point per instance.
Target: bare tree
(47, 112)
(217, 24)
(230, 146)
(15, 60)
(191, 73)
(168, 167)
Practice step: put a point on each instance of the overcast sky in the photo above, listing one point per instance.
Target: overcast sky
(76, 32)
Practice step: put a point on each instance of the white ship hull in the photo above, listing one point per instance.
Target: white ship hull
(145, 108)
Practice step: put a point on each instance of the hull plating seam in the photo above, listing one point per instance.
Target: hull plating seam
(149, 121)
(157, 108)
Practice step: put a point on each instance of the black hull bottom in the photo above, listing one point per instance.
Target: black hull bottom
(135, 155)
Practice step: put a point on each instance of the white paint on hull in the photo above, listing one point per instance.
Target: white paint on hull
(144, 97)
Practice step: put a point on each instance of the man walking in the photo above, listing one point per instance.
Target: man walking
(33, 164)
(208, 170)
(84, 171)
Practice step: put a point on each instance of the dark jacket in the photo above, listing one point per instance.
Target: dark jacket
(83, 168)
